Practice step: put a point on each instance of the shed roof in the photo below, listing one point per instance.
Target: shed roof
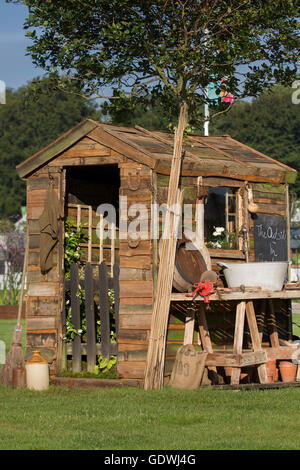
(211, 156)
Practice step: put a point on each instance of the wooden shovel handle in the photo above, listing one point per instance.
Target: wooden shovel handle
(22, 284)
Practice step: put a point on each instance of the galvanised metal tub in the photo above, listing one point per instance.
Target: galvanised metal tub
(267, 275)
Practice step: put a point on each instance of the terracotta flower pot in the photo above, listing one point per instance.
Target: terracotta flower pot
(270, 377)
(271, 365)
(271, 369)
(276, 375)
(288, 371)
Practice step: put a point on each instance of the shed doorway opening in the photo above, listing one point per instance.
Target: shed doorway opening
(88, 187)
(91, 294)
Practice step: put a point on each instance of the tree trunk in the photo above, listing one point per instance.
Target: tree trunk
(154, 373)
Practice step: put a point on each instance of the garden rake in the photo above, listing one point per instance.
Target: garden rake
(15, 354)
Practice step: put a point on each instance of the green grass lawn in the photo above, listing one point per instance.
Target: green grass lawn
(131, 419)
(134, 419)
(296, 324)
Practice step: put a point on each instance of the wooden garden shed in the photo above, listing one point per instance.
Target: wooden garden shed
(96, 163)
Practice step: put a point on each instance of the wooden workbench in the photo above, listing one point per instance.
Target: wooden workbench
(225, 294)
(239, 358)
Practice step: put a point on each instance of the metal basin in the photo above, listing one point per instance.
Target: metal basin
(267, 275)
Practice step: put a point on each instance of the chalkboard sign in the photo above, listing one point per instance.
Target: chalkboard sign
(270, 238)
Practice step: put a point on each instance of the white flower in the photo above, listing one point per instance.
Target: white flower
(216, 245)
(218, 231)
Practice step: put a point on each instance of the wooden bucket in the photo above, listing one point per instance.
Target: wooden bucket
(189, 265)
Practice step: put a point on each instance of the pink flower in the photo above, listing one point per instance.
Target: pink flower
(228, 98)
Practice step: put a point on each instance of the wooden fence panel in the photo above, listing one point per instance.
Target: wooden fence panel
(90, 318)
(75, 305)
(91, 285)
(116, 288)
(104, 311)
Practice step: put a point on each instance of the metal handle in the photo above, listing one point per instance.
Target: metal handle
(223, 265)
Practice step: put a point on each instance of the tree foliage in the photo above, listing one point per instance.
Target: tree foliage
(172, 48)
(270, 124)
(28, 122)
(151, 114)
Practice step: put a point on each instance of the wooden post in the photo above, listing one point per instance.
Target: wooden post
(200, 224)
(104, 311)
(298, 372)
(75, 306)
(272, 327)
(238, 339)
(205, 338)
(256, 342)
(78, 221)
(63, 364)
(154, 235)
(189, 325)
(246, 220)
(90, 234)
(90, 319)
(203, 330)
(101, 239)
(227, 216)
(61, 345)
(112, 248)
(157, 342)
(239, 218)
(116, 295)
(288, 227)
(261, 318)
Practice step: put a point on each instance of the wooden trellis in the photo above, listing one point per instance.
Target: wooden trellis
(85, 212)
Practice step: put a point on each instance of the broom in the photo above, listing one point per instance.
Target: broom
(15, 354)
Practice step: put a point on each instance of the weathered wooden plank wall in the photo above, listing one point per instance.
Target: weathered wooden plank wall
(42, 307)
(136, 278)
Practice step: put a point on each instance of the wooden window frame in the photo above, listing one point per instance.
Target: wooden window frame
(238, 214)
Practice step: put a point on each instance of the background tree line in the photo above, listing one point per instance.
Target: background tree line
(34, 117)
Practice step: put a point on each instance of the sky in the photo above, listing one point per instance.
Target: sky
(16, 69)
